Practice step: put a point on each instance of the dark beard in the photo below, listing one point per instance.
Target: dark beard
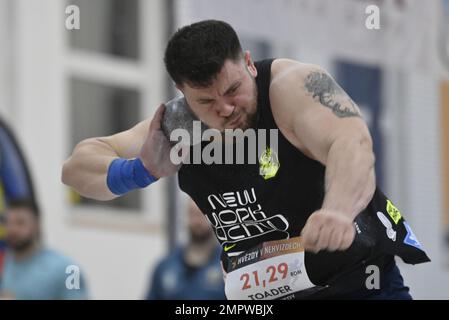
(251, 120)
(201, 238)
(21, 246)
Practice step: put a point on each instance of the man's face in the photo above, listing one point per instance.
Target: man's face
(21, 228)
(199, 229)
(231, 101)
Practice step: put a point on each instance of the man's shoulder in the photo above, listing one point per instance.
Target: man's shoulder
(173, 257)
(289, 96)
(285, 72)
(56, 259)
(289, 86)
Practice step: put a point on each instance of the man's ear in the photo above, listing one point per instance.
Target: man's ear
(180, 88)
(250, 64)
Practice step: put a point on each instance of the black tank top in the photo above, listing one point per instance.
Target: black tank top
(246, 206)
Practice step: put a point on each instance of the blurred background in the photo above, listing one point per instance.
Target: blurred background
(59, 86)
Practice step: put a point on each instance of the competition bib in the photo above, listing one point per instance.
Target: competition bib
(272, 270)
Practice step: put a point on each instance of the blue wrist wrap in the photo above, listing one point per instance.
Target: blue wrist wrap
(125, 175)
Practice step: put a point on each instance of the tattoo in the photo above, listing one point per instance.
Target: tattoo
(330, 94)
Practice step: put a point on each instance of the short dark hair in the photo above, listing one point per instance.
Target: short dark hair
(27, 203)
(196, 53)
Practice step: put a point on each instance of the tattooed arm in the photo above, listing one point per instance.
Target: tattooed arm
(318, 117)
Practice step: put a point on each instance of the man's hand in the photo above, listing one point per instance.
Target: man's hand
(155, 152)
(328, 230)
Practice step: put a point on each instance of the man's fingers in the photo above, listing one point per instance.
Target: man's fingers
(330, 233)
(335, 241)
(157, 118)
(324, 238)
(310, 235)
(348, 238)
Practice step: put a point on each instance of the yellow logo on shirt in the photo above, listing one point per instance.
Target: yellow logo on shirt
(393, 212)
(227, 248)
(268, 164)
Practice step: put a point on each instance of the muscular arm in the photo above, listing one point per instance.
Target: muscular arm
(323, 121)
(348, 155)
(86, 169)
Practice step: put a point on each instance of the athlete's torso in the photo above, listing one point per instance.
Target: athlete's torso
(245, 207)
(248, 204)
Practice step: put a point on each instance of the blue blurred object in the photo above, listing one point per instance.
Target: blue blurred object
(363, 83)
(173, 279)
(15, 179)
(42, 276)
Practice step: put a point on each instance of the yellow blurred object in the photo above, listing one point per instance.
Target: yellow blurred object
(445, 148)
(74, 196)
(2, 199)
(2, 231)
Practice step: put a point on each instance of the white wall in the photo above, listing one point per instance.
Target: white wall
(421, 198)
(5, 85)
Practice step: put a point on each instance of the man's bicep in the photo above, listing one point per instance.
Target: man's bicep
(324, 113)
(324, 90)
(128, 143)
(317, 128)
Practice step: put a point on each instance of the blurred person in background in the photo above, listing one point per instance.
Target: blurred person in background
(15, 179)
(191, 272)
(31, 271)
